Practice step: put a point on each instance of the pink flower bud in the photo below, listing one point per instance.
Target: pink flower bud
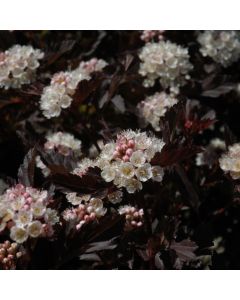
(136, 214)
(124, 147)
(92, 216)
(29, 200)
(129, 152)
(10, 256)
(115, 154)
(118, 148)
(26, 195)
(125, 158)
(134, 223)
(131, 143)
(139, 224)
(26, 206)
(86, 218)
(12, 196)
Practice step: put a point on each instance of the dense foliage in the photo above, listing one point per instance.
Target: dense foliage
(118, 150)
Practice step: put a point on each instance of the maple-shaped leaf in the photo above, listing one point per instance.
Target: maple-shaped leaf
(195, 126)
(26, 170)
(172, 154)
(184, 249)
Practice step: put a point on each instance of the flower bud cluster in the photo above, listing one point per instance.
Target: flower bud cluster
(87, 210)
(148, 35)
(18, 66)
(9, 254)
(25, 213)
(133, 216)
(127, 162)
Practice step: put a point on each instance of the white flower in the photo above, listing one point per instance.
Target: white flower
(96, 206)
(17, 203)
(165, 61)
(51, 216)
(157, 173)
(133, 185)
(223, 46)
(18, 234)
(126, 170)
(115, 197)
(144, 173)
(35, 229)
(138, 158)
(108, 173)
(23, 217)
(38, 209)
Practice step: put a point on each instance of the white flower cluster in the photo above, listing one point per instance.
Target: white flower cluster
(127, 162)
(165, 61)
(63, 142)
(230, 161)
(148, 35)
(222, 46)
(9, 254)
(88, 210)
(154, 107)
(58, 95)
(133, 216)
(18, 66)
(25, 211)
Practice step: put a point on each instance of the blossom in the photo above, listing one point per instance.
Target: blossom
(58, 95)
(23, 217)
(137, 158)
(126, 170)
(230, 161)
(18, 66)
(133, 185)
(223, 46)
(133, 216)
(144, 172)
(127, 161)
(18, 234)
(165, 61)
(23, 210)
(108, 173)
(157, 173)
(154, 107)
(35, 229)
